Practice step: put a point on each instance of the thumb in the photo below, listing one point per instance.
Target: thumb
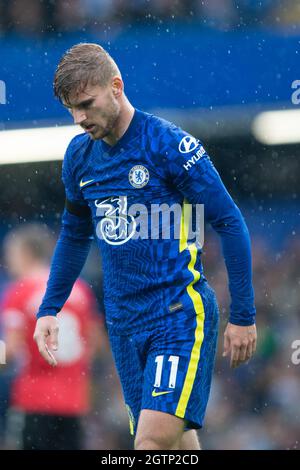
(226, 345)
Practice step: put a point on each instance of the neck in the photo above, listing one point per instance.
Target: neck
(122, 124)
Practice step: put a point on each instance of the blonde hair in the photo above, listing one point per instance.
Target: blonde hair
(84, 64)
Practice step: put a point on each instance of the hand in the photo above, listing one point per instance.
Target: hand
(240, 341)
(46, 333)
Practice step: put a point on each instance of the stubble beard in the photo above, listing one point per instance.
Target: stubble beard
(112, 119)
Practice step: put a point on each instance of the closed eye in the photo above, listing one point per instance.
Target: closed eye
(81, 106)
(85, 104)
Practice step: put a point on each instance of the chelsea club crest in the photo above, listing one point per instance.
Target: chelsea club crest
(139, 176)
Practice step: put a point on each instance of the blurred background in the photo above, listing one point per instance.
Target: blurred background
(226, 71)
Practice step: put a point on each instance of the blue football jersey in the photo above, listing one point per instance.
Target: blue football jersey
(151, 268)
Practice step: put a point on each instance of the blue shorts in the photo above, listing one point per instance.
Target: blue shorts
(170, 369)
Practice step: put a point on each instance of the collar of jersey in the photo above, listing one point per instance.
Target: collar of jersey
(130, 132)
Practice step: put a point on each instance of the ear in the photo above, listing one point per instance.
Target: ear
(117, 86)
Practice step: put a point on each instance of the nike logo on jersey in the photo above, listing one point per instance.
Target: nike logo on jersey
(157, 394)
(83, 183)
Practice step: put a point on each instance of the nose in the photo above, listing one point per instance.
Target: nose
(79, 116)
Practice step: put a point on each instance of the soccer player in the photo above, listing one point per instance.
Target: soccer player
(161, 314)
(51, 400)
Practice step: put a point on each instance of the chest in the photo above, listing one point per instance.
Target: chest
(129, 173)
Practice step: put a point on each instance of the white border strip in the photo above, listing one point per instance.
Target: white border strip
(35, 145)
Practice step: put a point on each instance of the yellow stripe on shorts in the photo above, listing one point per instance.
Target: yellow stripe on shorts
(131, 420)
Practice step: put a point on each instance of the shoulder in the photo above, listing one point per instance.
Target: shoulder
(176, 152)
(170, 143)
(78, 142)
(158, 125)
(75, 152)
(77, 145)
(166, 136)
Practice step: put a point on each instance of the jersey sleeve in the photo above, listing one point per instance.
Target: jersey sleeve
(72, 247)
(72, 190)
(187, 165)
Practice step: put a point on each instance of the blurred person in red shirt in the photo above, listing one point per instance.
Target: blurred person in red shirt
(53, 400)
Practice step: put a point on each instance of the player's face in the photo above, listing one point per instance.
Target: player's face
(96, 110)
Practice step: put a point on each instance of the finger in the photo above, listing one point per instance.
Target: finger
(254, 345)
(249, 351)
(243, 353)
(43, 349)
(235, 350)
(226, 345)
(52, 361)
(53, 339)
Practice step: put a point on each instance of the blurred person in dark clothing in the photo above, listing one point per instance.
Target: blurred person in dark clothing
(53, 400)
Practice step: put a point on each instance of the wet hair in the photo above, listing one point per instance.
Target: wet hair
(84, 64)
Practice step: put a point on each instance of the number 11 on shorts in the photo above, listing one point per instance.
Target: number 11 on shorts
(173, 371)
